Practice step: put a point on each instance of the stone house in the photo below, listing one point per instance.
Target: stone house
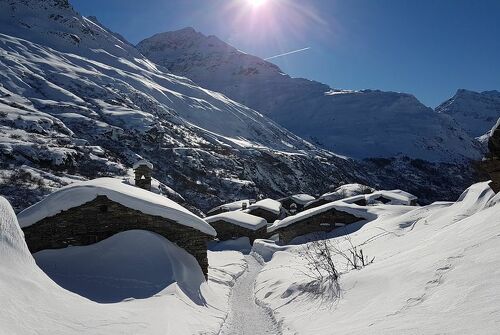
(295, 203)
(88, 212)
(232, 206)
(236, 224)
(268, 209)
(324, 218)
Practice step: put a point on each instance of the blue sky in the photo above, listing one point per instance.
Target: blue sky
(429, 48)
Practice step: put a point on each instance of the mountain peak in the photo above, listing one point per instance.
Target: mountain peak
(476, 112)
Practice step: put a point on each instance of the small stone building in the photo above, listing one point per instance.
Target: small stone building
(268, 209)
(491, 165)
(324, 218)
(88, 212)
(143, 171)
(232, 206)
(295, 203)
(392, 197)
(236, 224)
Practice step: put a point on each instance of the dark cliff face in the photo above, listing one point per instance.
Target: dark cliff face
(492, 163)
(494, 142)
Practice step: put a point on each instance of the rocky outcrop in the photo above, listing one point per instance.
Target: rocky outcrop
(492, 163)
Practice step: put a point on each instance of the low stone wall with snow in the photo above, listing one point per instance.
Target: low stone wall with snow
(102, 218)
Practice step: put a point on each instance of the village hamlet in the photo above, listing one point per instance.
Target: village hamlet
(88, 212)
(236, 224)
(341, 192)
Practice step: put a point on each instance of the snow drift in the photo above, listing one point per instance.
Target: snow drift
(435, 271)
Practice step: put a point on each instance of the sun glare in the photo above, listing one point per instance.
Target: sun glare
(256, 3)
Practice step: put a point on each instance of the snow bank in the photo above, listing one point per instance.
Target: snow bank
(358, 211)
(270, 205)
(240, 219)
(98, 271)
(33, 304)
(133, 197)
(435, 272)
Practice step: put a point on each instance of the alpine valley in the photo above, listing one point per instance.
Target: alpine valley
(78, 101)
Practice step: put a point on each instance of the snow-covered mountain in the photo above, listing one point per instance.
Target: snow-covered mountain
(358, 124)
(78, 101)
(476, 112)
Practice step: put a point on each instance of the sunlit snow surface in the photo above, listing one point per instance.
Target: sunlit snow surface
(436, 271)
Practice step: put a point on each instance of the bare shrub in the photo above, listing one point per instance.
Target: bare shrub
(354, 256)
(321, 254)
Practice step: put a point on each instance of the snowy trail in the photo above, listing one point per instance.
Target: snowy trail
(246, 316)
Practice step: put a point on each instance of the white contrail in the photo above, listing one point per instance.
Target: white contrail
(287, 53)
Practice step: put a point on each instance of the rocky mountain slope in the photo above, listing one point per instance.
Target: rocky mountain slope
(358, 124)
(77, 101)
(476, 112)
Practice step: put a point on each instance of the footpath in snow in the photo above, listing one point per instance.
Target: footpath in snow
(246, 316)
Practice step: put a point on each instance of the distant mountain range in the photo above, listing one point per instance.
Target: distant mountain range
(358, 124)
(78, 101)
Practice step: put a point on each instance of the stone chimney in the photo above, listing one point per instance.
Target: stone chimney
(143, 170)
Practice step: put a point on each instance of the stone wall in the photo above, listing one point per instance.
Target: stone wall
(322, 222)
(228, 231)
(102, 218)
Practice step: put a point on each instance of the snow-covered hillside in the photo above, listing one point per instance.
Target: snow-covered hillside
(435, 272)
(77, 100)
(186, 304)
(358, 124)
(476, 112)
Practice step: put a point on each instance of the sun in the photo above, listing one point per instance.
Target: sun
(256, 3)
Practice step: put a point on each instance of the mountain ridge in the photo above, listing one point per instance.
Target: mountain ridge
(347, 122)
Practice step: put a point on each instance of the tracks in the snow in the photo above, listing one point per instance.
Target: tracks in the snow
(246, 316)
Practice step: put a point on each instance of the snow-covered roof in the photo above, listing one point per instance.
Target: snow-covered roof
(301, 198)
(396, 196)
(345, 191)
(269, 205)
(355, 210)
(232, 206)
(143, 162)
(240, 219)
(136, 198)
